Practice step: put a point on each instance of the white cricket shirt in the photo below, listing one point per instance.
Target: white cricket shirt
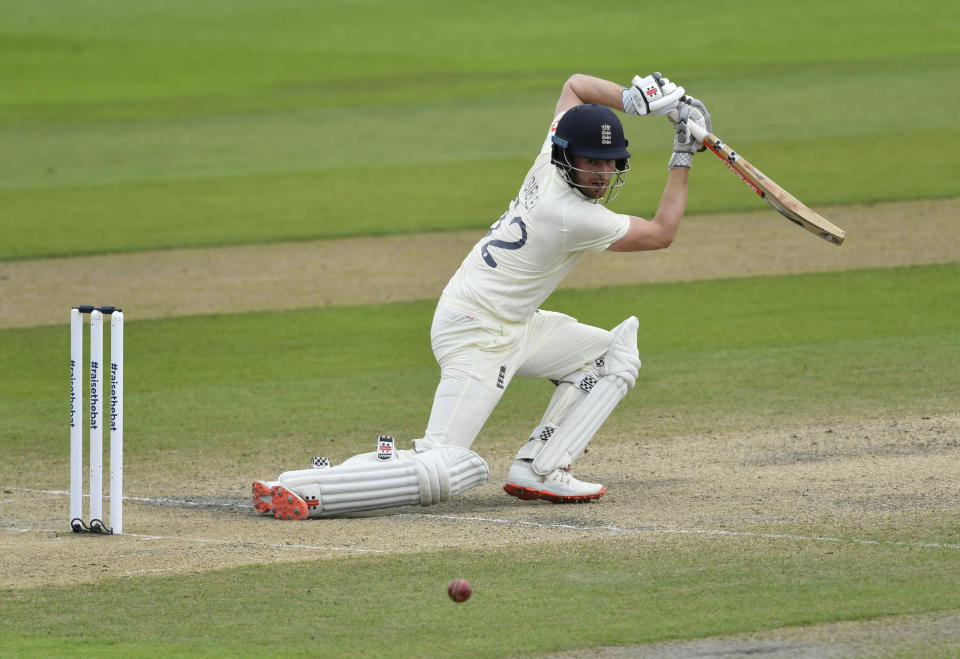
(531, 248)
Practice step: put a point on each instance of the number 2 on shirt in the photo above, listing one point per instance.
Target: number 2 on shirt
(503, 244)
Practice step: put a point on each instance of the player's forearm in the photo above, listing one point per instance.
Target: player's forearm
(581, 88)
(673, 203)
(658, 233)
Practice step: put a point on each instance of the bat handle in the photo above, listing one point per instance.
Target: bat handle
(696, 129)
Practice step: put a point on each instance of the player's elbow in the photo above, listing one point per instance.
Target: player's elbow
(645, 243)
(666, 225)
(661, 242)
(643, 236)
(663, 239)
(666, 241)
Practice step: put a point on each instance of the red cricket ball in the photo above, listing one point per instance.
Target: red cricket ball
(459, 590)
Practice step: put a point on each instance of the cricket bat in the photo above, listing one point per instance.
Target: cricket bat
(781, 200)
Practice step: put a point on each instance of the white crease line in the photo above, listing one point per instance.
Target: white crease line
(181, 502)
(720, 532)
(188, 504)
(242, 543)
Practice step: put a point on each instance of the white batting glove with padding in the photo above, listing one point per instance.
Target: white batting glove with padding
(684, 143)
(651, 95)
(697, 104)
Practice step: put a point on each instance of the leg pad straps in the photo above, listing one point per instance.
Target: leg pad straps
(422, 479)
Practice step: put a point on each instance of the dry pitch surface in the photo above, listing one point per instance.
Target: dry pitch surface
(862, 475)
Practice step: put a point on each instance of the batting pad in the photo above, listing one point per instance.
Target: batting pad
(421, 479)
(618, 376)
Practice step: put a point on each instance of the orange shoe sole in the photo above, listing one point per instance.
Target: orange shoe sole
(262, 497)
(529, 494)
(287, 505)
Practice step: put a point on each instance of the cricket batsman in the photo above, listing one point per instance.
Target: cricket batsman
(489, 328)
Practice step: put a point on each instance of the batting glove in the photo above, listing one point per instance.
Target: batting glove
(684, 144)
(651, 96)
(698, 104)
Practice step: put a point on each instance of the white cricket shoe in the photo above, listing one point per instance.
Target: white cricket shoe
(558, 486)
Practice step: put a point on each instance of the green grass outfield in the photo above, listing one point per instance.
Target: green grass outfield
(137, 126)
(128, 127)
(611, 592)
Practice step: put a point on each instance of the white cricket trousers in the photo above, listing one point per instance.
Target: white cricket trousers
(479, 356)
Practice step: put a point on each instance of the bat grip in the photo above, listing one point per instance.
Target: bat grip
(696, 129)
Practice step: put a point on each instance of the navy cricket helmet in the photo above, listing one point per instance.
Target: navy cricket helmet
(595, 132)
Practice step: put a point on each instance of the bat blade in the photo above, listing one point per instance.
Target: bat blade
(782, 201)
